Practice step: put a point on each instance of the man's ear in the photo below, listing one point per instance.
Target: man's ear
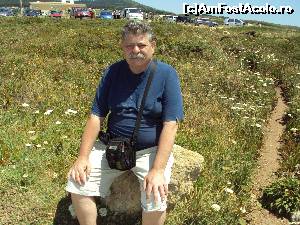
(153, 44)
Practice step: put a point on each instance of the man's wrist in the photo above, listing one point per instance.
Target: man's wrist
(83, 156)
(158, 170)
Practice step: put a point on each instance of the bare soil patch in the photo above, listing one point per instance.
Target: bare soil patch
(268, 164)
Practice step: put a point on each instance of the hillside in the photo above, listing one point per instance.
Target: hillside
(111, 4)
(228, 77)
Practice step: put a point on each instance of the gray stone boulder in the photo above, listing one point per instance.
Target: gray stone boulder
(125, 191)
(122, 206)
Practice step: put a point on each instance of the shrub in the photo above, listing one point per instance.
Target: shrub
(282, 197)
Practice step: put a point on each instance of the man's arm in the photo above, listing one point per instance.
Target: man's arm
(155, 180)
(81, 168)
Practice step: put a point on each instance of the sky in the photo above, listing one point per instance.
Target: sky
(176, 6)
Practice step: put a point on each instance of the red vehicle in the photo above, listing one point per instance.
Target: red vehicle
(82, 13)
(55, 14)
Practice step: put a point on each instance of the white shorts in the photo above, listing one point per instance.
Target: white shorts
(101, 176)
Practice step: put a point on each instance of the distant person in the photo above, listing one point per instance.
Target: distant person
(92, 13)
(119, 95)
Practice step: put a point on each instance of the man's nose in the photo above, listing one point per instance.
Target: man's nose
(136, 49)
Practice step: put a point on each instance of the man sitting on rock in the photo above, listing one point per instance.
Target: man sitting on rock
(119, 96)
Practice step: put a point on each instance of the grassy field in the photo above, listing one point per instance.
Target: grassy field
(49, 70)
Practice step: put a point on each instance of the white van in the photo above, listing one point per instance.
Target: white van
(170, 18)
(132, 14)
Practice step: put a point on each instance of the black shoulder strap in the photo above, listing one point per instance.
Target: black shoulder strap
(140, 113)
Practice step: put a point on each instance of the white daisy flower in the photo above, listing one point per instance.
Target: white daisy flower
(48, 112)
(228, 190)
(70, 111)
(216, 207)
(243, 210)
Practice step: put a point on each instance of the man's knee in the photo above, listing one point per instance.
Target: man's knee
(154, 217)
(82, 199)
(85, 209)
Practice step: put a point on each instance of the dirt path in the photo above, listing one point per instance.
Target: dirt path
(268, 164)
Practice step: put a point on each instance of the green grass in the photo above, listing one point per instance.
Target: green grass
(227, 79)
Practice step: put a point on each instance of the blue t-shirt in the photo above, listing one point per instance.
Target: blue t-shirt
(120, 93)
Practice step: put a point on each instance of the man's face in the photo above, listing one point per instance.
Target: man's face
(138, 50)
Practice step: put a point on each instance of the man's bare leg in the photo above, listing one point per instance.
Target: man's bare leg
(154, 218)
(85, 209)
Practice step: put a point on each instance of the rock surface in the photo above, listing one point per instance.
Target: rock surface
(125, 191)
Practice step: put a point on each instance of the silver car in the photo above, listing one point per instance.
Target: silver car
(234, 22)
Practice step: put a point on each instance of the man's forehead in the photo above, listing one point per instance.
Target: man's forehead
(137, 38)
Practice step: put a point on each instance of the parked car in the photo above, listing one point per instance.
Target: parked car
(233, 22)
(170, 18)
(82, 13)
(55, 14)
(132, 14)
(105, 14)
(183, 19)
(6, 12)
(31, 12)
(205, 21)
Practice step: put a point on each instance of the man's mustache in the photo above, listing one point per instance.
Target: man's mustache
(136, 56)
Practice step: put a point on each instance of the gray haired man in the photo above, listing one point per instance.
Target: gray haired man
(118, 96)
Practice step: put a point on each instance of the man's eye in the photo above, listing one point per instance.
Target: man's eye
(141, 45)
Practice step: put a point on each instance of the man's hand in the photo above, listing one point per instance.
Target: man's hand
(80, 170)
(155, 182)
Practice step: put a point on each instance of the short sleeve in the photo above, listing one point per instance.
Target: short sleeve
(172, 104)
(100, 105)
